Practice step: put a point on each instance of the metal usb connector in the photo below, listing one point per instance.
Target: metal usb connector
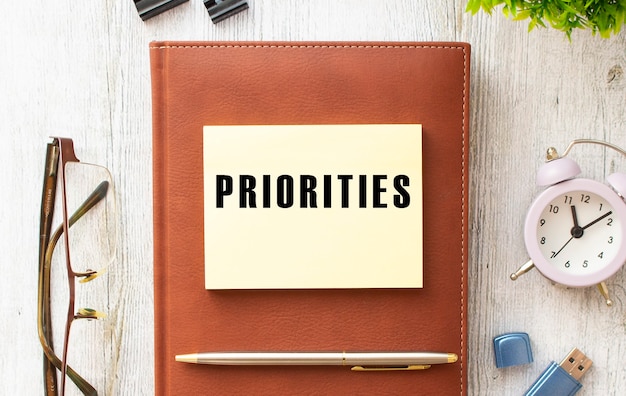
(561, 379)
(576, 364)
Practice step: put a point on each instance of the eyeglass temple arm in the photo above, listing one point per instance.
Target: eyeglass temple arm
(96, 196)
(45, 225)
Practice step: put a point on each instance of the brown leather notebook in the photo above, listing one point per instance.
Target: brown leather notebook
(243, 83)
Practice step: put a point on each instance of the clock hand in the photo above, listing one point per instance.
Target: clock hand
(577, 231)
(574, 216)
(598, 219)
(563, 247)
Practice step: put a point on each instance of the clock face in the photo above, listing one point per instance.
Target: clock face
(575, 232)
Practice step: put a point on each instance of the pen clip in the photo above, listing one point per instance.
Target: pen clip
(411, 367)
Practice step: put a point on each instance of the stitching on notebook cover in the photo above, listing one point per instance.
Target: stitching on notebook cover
(391, 46)
(463, 208)
(190, 46)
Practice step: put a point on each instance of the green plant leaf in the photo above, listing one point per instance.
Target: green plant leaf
(605, 17)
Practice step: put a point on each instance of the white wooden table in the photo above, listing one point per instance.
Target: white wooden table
(80, 69)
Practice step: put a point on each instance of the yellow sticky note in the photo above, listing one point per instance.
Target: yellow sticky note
(313, 206)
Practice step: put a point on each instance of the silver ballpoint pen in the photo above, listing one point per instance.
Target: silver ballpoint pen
(360, 361)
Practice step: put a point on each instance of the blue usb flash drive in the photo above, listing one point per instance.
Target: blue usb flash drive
(561, 379)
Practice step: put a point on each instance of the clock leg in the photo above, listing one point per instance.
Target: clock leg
(523, 269)
(605, 293)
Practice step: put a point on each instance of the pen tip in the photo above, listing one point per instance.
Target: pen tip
(192, 358)
(452, 357)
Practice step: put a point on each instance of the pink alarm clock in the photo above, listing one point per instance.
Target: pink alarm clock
(575, 230)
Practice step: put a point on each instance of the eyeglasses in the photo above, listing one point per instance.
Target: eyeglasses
(90, 231)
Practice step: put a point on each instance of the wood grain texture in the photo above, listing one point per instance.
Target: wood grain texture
(80, 69)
